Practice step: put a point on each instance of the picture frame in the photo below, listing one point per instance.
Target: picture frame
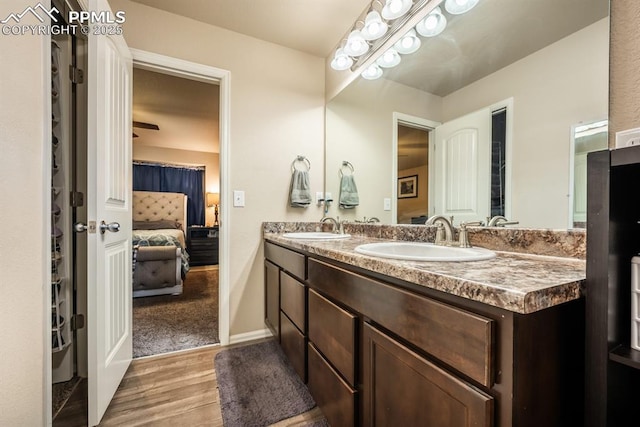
(408, 187)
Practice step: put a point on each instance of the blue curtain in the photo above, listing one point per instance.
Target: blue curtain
(173, 179)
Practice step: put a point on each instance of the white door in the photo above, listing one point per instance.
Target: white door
(463, 167)
(109, 253)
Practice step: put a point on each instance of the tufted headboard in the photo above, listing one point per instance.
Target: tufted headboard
(156, 206)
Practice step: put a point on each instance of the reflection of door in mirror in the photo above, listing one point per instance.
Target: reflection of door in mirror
(471, 167)
(585, 139)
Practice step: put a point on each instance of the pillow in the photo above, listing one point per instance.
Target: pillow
(156, 225)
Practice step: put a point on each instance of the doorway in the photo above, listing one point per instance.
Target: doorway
(206, 74)
(413, 152)
(175, 150)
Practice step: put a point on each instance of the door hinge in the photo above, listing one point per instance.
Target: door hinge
(77, 322)
(76, 75)
(77, 199)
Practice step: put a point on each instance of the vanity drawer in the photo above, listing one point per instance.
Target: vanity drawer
(292, 299)
(290, 261)
(457, 337)
(333, 331)
(294, 345)
(334, 397)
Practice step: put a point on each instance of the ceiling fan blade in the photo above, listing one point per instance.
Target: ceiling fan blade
(144, 125)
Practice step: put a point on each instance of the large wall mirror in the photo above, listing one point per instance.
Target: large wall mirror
(522, 74)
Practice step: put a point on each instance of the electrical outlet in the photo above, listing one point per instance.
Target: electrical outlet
(628, 138)
(386, 204)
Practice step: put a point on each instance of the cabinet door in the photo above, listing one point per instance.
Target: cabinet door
(272, 298)
(294, 346)
(402, 388)
(334, 396)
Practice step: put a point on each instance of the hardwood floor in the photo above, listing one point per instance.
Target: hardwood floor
(175, 389)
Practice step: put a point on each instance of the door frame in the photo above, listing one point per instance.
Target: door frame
(414, 122)
(204, 73)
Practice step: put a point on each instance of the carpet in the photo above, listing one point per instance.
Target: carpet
(258, 386)
(166, 323)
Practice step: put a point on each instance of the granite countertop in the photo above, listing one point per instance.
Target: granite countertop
(517, 282)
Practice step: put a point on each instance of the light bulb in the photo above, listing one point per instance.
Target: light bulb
(431, 22)
(394, 9)
(409, 43)
(457, 7)
(374, 26)
(389, 59)
(372, 72)
(356, 45)
(341, 61)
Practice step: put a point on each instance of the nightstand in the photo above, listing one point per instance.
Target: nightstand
(202, 245)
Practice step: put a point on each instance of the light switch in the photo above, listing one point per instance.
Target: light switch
(387, 204)
(238, 198)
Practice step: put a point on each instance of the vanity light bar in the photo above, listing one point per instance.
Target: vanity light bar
(362, 43)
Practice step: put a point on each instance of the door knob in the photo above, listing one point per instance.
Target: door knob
(114, 227)
(80, 227)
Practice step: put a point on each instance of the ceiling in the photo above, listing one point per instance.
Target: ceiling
(186, 111)
(312, 26)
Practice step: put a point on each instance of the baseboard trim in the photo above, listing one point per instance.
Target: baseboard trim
(250, 336)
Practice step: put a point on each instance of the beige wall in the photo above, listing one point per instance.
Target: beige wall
(624, 99)
(24, 247)
(414, 206)
(553, 89)
(211, 162)
(277, 112)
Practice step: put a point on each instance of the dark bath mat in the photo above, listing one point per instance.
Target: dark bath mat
(258, 386)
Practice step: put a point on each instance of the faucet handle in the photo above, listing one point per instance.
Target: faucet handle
(473, 223)
(440, 235)
(463, 239)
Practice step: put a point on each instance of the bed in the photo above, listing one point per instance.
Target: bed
(160, 258)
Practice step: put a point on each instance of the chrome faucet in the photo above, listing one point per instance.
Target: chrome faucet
(337, 225)
(443, 224)
(499, 221)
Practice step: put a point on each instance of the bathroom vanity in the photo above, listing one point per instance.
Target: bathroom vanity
(382, 342)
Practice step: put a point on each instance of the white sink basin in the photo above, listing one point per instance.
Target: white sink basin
(412, 251)
(316, 235)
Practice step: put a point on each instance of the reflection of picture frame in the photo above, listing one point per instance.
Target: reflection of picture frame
(408, 187)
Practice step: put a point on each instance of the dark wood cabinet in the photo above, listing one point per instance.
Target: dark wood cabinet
(202, 245)
(612, 373)
(272, 298)
(286, 303)
(332, 330)
(332, 394)
(403, 388)
(380, 351)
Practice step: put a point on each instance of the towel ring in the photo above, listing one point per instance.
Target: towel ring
(303, 160)
(347, 165)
